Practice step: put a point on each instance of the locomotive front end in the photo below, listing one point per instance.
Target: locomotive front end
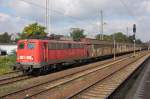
(26, 55)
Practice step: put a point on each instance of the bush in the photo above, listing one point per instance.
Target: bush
(6, 63)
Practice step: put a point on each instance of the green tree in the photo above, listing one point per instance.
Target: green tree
(5, 38)
(77, 33)
(33, 31)
(120, 37)
(130, 39)
(138, 41)
(105, 37)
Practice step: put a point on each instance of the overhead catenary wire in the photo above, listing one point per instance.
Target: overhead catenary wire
(128, 10)
(55, 11)
(46, 14)
(102, 23)
(76, 19)
(131, 14)
(21, 17)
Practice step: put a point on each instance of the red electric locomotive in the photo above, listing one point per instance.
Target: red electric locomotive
(41, 55)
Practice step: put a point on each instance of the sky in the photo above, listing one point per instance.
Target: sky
(85, 14)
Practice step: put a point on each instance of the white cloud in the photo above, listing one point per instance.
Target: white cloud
(4, 17)
(146, 5)
(78, 13)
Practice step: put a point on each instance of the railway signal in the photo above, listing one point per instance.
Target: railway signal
(134, 31)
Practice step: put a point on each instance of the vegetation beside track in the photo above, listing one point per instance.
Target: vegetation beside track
(6, 63)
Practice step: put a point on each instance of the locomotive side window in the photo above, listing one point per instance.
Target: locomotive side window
(80, 46)
(21, 46)
(31, 45)
(76, 45)
(69, 45)
(65, 46)
(59, 46)
(49, 45)
(73, 45)
(53, 46)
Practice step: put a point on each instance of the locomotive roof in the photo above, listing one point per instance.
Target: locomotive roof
(58, 41)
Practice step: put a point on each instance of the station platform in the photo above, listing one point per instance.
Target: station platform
(141, 88)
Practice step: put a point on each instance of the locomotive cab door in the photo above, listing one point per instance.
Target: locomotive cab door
(45, 52)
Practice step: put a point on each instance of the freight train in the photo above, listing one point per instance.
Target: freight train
(42, 55)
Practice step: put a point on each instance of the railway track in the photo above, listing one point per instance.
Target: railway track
(56, 76)
(10, 75)
(104, 88)
(12, 80)
(70, 83)
(68, 88)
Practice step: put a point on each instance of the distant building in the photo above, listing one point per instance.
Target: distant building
(66, 38)
(14, 36)
(8, 48)
(59, 37)
(54, 37)
(3, 52)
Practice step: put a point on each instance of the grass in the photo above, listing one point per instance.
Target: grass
(6, 63)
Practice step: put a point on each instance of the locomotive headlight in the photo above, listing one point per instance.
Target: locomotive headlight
(25, 57)
(29, 57)
(19, 57)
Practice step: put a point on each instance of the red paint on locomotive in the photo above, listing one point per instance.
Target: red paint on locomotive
(38, 53)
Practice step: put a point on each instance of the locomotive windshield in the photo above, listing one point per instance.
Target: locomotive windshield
(21, 46)
(31, 45)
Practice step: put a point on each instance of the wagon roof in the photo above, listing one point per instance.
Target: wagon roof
(95, 41)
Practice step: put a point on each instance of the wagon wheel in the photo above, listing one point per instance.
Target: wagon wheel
(38, 72)
(59, 66)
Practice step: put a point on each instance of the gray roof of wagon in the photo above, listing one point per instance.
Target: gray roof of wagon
(95, 41)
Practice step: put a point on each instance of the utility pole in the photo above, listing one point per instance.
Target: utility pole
(127, 32)
(50, 16)
(47, 15)
(148, 45)
(114, 46)
(102, 23)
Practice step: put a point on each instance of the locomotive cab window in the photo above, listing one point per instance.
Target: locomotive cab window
(31, 45)
(21, 46)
